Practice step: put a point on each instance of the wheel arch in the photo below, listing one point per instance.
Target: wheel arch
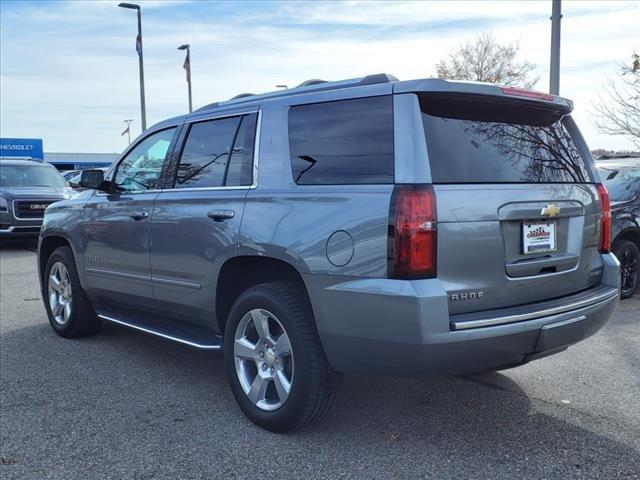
(46, 247)
(631, 233)
(242, 272)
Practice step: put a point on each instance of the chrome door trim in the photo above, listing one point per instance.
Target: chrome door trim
(101, 271)
(202, 346)
(213, 116)
(126, 193)
(587, 302)
(177, 283)
(204, 189)
(256, 150)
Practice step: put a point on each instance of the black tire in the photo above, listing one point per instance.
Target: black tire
(83, 320)
(628, 254)
(314, 384)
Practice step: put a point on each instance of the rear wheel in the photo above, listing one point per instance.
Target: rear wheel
(628, 254)
(273, 358)
(69, 310)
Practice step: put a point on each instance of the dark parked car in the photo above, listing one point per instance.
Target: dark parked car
(622, 179)
(27, 188)
(367, 225)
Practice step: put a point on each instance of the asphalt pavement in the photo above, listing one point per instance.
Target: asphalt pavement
(125, 405)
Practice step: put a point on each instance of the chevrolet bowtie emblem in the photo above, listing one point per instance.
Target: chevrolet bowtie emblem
(550, 211)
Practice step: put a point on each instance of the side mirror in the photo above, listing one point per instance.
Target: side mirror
(93, 179)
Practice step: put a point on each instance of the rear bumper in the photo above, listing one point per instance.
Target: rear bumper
(403, 327)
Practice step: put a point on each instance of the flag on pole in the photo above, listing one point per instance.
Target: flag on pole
(139, 44)
(187, 66)
(126, 130)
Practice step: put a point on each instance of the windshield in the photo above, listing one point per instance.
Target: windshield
(474, 140)
(30, 176)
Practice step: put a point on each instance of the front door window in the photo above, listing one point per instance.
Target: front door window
(141, 168)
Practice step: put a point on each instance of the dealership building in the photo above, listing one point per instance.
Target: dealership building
(32, 148)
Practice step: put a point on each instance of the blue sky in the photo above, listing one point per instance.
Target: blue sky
(69, 75)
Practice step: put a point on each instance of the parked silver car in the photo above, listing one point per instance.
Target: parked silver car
(367, 225)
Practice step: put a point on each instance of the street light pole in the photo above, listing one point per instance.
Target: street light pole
(143, 109)
(554, 70)
(187, 67)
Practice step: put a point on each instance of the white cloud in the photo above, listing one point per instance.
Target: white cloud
(68, 72)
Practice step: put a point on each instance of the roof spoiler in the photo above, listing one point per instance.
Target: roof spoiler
(438, 85)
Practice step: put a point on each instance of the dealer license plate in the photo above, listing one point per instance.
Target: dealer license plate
(538, 237)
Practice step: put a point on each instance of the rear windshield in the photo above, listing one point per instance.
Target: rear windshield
(475, 140)
(30, 176)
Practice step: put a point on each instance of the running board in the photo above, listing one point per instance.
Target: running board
(201, 341)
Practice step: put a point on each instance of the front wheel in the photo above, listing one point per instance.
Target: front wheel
(273, 358)
(68, 308)
(628, 254)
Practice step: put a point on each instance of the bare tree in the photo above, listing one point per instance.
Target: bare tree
(485, 60)
(618, 106)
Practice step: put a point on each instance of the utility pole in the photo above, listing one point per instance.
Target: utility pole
(143, 109)
(554, 70)
(128, 129)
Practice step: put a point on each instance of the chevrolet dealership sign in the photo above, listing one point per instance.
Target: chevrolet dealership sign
(21, 148)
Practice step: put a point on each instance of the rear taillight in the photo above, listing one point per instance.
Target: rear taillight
(605, 222)
(523, 92)
(412, 232)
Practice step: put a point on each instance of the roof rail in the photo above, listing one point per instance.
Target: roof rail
(242, 95)
(313, 81)
(378, 78)
(207, 107)
(313, 85)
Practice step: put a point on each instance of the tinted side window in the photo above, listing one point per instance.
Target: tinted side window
(240, 171)
(206, 153)
(342, 142)
(141, 168)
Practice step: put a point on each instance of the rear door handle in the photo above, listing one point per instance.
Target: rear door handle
(221, 215)
(139, 215)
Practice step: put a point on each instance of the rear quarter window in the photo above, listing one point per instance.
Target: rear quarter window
(475, 140)
(342, 142)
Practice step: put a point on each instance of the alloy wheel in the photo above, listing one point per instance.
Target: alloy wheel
(263, 359)
(60, 293)
(628, 269)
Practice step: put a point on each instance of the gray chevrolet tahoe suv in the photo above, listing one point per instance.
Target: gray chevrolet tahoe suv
(367, 225)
